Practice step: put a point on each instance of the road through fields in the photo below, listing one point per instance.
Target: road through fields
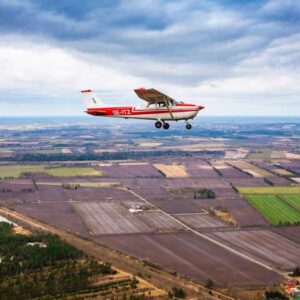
(220, 244)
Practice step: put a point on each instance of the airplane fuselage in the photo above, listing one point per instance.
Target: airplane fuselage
(159, 107)
(180, 111)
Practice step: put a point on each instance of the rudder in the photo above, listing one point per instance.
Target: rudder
(90, 99)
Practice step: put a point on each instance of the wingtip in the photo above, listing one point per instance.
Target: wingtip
(139, 89)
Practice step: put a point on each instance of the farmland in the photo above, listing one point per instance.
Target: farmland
(269, 249)
(251, 169)
(278, 190)
(172, 171)
(293, 200)
(193, 256)
(110, 218)
(132, 189)
(274, 209)
(17, 170)
(200, 220)
(228, 171)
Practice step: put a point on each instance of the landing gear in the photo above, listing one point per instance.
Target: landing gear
(188, 126)
(166, 125)
(158, 124)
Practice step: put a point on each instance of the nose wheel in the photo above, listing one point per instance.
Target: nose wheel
(188, 126)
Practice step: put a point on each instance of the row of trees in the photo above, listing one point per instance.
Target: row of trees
(204, 194)
(37, 157)
(23, 190)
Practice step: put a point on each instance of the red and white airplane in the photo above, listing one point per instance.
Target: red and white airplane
(159, 107)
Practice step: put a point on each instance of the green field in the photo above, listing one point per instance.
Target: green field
(270, 190)
(16, 170)
(293, 200)
(274, 209)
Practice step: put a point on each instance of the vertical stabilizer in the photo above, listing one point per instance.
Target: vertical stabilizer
(90, 100)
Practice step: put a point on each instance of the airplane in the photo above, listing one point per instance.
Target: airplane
(159, 107)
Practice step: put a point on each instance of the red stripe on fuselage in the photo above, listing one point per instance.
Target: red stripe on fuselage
(130, 111)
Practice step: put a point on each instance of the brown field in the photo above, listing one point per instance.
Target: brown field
(198, 221)
(200, 169)
(250, 182)
(280, 181)
(197, 183)
(193, 256)
(264, 245)
(176, 182)
(272, 167)
(149, 144)
(236, 154)
(57, 214)
(188, 193)
(227, 170)
(251, 169)
(283, 172)
(18, 197)
(100, 194)
(243, 213)
(125, 170)
(160, 222)
(172, 171)
(52, 194)
(109, 218)
(113, 218)
(16, 184)
(292, 155)
(292, 232)
(169, 203)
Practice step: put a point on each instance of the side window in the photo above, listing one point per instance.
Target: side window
(151, 105)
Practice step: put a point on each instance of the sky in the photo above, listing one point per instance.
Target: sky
(234, 57)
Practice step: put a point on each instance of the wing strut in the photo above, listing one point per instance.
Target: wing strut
(168, 107)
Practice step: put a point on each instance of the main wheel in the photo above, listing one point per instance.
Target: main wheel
(188, 126)
(158, 124)
(166, 125)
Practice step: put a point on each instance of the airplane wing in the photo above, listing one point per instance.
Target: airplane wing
(155, 96)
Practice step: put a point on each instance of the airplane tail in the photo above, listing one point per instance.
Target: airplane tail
(90, 100)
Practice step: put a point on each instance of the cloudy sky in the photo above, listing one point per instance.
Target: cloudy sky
(234, 57)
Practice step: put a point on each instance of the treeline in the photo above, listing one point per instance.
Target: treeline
(9, 190)
(41, 157)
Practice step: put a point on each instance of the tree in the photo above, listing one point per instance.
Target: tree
(209, 284)
(296, 272)
(178, 293)
(275, 295)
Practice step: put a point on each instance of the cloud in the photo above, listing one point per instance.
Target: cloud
(233, 52)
